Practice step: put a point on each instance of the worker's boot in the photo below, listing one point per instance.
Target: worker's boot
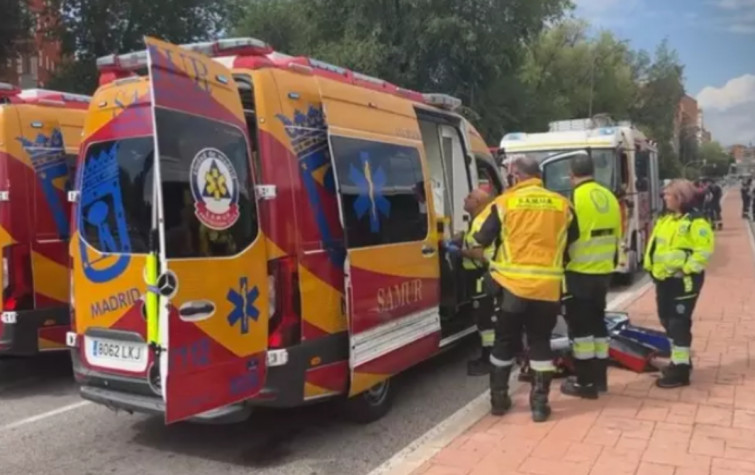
(500, 401)
(600, 366)
(582, 384)
(480, 366)
(674, 376)
(541, 386)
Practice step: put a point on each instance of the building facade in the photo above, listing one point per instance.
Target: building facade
(41, 59)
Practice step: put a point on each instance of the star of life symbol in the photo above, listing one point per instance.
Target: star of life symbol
(243, 305)
(215, 188)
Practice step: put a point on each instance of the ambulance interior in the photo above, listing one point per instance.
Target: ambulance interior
(452, 173)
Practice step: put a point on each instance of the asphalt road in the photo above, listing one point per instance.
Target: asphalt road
(46, 428)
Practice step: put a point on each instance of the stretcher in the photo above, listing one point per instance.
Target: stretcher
(630, 346)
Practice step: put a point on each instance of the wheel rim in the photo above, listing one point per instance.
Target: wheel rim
(377, 394)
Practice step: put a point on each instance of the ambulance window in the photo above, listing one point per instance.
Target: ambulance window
(71, 163)
(487, 178)
(382, 191)
(207, 190)
(115, 206)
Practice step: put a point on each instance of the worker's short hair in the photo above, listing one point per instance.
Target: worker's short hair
(582, 166)
(685, 192)
(527, 166)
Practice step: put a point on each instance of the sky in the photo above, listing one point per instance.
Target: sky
(715, 40)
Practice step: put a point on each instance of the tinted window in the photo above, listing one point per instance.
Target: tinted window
(208, 195)
(642, 164)
(382, 192)
(115, 207)
(556, 173)
(486, 176)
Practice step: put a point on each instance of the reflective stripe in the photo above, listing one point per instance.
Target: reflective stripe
(581, 246)
(602, 257)
(516, 270)
(601, 348)
(667, 256)
(680, 355)
(500, 363)
(584, 348)
(487, 337)
(478, 286)
(686, 297)
(542, 366)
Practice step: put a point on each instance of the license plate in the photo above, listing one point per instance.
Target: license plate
(113, 354)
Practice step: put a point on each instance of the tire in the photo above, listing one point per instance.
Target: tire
(370, 405)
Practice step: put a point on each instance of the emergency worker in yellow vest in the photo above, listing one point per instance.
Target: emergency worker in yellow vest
(534, 226)
(591, 260)
(677, 254)
(475, 260)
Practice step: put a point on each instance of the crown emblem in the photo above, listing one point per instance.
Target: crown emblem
(45, 151)
(99, 171)
(308, 132)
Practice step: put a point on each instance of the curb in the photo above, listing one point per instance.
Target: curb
(426, 446)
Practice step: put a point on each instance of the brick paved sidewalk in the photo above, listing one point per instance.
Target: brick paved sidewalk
(706, 428)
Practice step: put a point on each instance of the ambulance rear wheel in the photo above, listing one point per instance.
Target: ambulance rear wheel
(371, 405)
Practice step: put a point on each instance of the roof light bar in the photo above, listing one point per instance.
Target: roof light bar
(53, 96)
(444, 101)
(7, 90)
(369, 79)
(316, 63)
(227, 47)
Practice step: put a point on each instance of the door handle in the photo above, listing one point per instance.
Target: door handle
(428, 251)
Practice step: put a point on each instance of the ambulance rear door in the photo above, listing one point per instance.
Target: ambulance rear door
(392, 267)
(213, 283)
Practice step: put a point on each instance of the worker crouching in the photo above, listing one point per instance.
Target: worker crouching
(533, 226)
(677, 254)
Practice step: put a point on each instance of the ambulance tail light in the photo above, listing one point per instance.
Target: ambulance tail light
(17, 278)
(285, 303)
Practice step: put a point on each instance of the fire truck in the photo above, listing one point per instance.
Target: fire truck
(626, 161)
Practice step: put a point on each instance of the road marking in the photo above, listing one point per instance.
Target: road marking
(44, 415)
(423, 448)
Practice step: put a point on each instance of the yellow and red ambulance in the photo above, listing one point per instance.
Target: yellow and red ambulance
(40, 133)
(255, 229)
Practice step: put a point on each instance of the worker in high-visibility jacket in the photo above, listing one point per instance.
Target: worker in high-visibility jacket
(475, 260)
(534, 226)
(591, 260)
(677, 254)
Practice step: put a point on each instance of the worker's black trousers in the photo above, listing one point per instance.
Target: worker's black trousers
(482, 303)
(536, 319)
(585, 305)
(676, 298)
(746, 201)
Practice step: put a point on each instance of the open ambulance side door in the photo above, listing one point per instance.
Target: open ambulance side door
(213, 285)
(392, 266)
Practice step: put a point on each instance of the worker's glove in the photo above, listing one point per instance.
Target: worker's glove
(451, 247)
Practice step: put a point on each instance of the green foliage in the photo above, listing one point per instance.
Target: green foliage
(716, 159)
(471, 49)
(15, 27)
(516, 64)
(93, 28)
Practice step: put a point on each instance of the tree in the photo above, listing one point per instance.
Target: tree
(471, 49)
(657, 102)
(15, 27)
(716, 159)
(93, 28)
(569, 75)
